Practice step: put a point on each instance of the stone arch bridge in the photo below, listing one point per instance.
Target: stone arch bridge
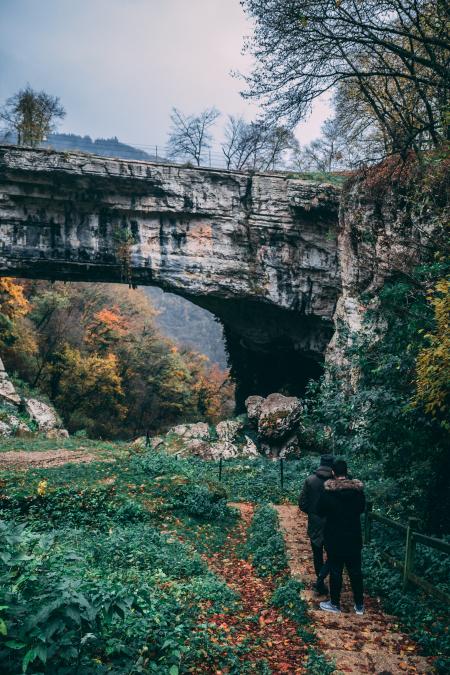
(259, 250)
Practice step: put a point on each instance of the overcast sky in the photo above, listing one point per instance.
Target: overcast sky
(119, 66)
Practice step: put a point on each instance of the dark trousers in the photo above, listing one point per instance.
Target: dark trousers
(352, 562)
(321, 568)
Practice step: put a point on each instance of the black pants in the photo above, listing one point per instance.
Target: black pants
(321, 568)
(352, 562)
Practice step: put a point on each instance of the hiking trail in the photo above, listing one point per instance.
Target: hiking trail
(372, 643)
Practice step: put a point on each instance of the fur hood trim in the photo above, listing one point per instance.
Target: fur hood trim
(335, 484)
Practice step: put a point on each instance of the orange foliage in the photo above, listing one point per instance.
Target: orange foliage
(107, 327)
(13, 303)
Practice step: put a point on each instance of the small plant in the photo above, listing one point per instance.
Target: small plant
(317, 664)
(265, 546)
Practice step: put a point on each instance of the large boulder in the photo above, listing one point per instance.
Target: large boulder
(277, 420)
(45, 418)
(7, 390)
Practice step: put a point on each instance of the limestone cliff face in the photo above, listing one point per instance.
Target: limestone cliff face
(384, 231)
(236, 243)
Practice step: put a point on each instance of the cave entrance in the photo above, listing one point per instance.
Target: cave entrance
(268, 349)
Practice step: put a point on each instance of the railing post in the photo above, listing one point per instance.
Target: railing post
(220, 468)
(281, 473)
(367, 523)
(410, 549)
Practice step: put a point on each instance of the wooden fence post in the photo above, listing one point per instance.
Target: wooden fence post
(367, 523)
(220, 468)
(410, 549)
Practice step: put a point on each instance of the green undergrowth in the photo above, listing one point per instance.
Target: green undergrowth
(98, 575)
(266, 549)
(265, 544)
(425, 618)
(141, 520)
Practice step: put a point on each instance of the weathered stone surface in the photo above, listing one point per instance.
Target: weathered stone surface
(187, 431)
(277, 420)
(253, 407)
(7, 390)
(381, 234)
(10, 424)
(229, 429)
(44, 415)
(225, 441)
(279, 416)
(234, 242)
(41, 413)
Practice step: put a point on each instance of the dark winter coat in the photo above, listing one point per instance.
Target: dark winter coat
(309, 497)
(341, 504)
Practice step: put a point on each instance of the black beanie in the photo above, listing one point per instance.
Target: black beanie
(327, 460)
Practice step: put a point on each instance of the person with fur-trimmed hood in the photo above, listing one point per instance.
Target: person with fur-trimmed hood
(341, 503)
(309, 497)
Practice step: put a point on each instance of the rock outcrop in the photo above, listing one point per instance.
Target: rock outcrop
(385, 230)
(26, 416)
(276, 419)
(256, 249)
(46, 418)
(7, 390)
(227, 440)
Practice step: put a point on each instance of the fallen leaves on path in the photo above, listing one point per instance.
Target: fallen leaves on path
(267, 633)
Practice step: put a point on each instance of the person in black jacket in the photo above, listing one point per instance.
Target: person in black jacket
(309, 497)
(341, 504)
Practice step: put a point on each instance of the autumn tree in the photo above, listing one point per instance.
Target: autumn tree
(90, 394)
(190, 135)
(107, 327)
(395, 54)
(13, 306)
(32, 115)
(98, 355)
(433, 361)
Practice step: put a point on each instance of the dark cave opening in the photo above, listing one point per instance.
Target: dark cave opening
(277, 368)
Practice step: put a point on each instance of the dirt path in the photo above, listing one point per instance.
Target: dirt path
(371, 643)
(269, 634)
(45, 460)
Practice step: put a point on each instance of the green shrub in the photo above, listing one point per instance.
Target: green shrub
(318, 664)
(287, 598)
(145, 548)
(265, 545)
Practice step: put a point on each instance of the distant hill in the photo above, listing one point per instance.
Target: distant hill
(107, 147)
(189, 325)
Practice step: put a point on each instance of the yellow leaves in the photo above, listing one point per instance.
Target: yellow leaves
(42, 487)
(433, 362)
(13, 303)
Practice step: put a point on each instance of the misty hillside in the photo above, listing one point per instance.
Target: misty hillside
(189, 324)
(108, 147)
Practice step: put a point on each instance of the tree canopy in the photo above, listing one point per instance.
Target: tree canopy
(391, 56)
(31, 115)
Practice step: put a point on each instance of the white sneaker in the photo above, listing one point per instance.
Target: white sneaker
(329, 607)
(359, 609)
